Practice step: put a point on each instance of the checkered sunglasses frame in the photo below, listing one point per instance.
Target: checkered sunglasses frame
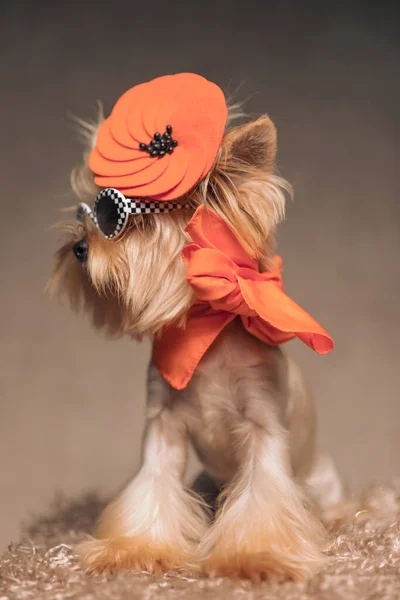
(121, 208)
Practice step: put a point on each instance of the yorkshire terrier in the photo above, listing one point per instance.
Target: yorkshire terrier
(179, 246)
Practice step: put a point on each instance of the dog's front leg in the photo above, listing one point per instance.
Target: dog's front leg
(263, 529)
(155, 523)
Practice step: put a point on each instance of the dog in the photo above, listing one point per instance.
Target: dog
(189, 260)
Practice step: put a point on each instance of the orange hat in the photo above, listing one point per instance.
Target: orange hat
(161, 138)
(227, 283)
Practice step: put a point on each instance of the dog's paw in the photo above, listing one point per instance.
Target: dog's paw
(128, 553)
(258, 566)
(294, 554)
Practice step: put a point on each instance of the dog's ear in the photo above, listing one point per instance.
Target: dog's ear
(253, 144)
(243, 188)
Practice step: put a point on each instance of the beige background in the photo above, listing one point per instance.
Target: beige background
(72, 404)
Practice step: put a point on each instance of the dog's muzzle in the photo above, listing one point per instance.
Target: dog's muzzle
(80, 249)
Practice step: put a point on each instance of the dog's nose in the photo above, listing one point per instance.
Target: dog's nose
(80, 249)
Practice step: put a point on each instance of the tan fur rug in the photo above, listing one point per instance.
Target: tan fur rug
(364, 561)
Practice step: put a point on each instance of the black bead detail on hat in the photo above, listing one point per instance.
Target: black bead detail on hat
(160, 145)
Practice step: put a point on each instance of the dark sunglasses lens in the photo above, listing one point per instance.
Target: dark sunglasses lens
(108, 218)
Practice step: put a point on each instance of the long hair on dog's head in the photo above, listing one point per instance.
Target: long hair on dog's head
(137, 284)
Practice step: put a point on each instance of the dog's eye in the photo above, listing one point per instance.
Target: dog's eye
(107, 215)
(80, 249)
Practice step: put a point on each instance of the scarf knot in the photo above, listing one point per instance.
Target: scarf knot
(226, 282)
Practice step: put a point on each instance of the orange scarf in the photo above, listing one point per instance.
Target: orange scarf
(227, 283)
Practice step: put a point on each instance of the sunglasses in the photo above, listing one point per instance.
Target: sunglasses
(112, 210)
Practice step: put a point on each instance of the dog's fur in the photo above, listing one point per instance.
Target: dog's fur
(247, 410)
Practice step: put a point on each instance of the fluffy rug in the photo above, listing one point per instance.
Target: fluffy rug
(364, 552)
